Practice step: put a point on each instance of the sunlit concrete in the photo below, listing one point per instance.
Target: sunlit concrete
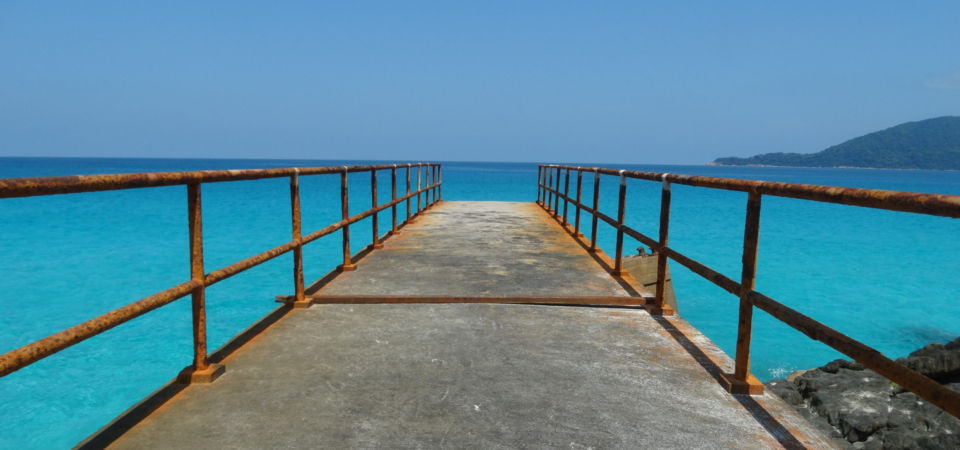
(474, 375)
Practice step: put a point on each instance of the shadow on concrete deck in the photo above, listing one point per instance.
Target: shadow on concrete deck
(762, 416)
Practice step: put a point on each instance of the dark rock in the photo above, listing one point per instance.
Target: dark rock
(940, 441)
(834, 366)
(936, 361)
(927, 350)
(954, 345)
(787, 391)
(860, 409)
(900, 441)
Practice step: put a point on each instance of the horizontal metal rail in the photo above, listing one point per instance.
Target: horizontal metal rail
(31, 187)
(23, 356)
(930, 204)
(25, 187)
(332, 228)
(529, 299)
(912, 202)
(925, 388)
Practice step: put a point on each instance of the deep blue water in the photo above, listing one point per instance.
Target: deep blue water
(891, 280)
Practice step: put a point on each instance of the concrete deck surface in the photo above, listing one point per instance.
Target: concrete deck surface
(474, 375)
(480, 249)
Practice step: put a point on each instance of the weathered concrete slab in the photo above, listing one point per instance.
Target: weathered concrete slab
(473, 375)
(479, 249)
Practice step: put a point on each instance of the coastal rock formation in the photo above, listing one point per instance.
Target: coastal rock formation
(860, 409)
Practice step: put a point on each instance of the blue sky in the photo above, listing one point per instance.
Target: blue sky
(597, 82)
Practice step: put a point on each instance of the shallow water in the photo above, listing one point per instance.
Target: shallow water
(891, 280)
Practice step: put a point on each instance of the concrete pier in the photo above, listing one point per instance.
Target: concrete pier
(484, 376)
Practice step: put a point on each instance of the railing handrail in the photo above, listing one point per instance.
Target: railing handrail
(912, 202)
(27, 187)
(741, 381)
(35, 186)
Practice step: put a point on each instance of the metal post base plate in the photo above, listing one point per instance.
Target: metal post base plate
(205, 376)
(752, 386)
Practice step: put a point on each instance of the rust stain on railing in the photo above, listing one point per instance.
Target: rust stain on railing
(28, 187)
(741, 381)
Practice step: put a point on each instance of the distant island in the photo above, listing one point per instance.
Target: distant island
(932, 144)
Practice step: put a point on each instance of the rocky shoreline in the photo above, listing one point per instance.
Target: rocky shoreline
(859, 409)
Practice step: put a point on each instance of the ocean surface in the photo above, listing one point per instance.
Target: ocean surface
(891, 280)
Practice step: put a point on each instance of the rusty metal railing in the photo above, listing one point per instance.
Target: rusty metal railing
(549, 196)
(202, 370)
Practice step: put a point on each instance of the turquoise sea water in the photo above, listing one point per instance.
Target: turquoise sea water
(891, 280)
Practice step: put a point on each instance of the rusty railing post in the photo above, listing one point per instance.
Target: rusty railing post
(426, 187)
(556, 198)
(376, 217)
(300, 301)
(539, 183)
(621, 213)
(741, 381)
(549, 176)
(348, 264)
(201, 371)
(555, 185)
(428, 176)
(566, 196)
(576, 220)
(436, 181)
(545, 204)
(596, 209)
(407, 220)
(197, 274)
(419, 185)
(659, 307)
(440, 182)
(393, 198)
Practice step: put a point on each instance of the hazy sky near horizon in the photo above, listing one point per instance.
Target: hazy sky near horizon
(604, 82)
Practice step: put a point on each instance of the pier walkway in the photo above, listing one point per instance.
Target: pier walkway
(484, 376)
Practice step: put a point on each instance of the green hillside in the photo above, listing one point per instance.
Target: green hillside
(932, 144)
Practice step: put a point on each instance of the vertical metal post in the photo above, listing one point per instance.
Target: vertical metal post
(546, 184)
(659, 307)
(408, 193)
(576, 220)
(621, 213)
(297, 234)
(419, 174)
(539, 183)
(393, 198)
(429, 182)
(440, 182)
(426, 187)
(596, 209)
(549, 194)
(741, 382)
(751, 237)
(566, 196)
(345, 209)
(436, 181)
(556, 198)
(376, 217)
(195, 219)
